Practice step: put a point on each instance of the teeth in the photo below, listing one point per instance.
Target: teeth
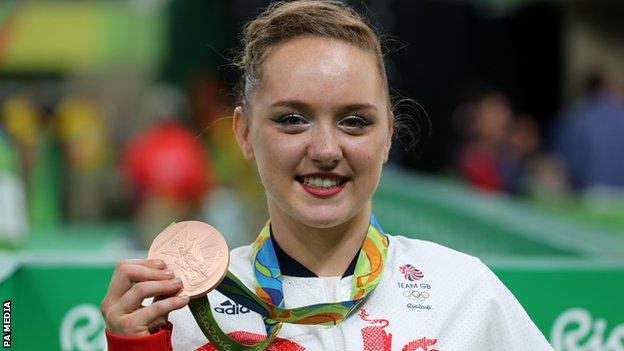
(321, 182)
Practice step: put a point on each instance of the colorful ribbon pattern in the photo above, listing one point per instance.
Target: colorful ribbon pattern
(268, 300)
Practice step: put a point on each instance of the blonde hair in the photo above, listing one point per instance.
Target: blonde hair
(283, 21)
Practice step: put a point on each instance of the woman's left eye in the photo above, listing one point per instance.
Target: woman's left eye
(354, 122)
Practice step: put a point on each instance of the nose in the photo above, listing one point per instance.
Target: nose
(324, 148)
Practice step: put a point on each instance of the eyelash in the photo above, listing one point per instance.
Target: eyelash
(361, 122)
(291, 117)
(285, 121)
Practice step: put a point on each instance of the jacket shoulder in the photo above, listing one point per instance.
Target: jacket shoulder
(431, 252)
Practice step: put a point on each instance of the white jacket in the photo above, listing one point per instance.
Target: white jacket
(450, 302)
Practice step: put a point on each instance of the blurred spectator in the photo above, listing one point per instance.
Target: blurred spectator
(590, 137)
(500, 150)
(519, 152)
(170, 172)
(167, 160)
(547, 182)
(485, 123)
(21, 119)
(27, 129)
(82, 132)
(13, 222)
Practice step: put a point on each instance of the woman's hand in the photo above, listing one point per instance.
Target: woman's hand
(131, 283)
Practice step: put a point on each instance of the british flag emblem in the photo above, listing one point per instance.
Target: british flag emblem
(411, 273)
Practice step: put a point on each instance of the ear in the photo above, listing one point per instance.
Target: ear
(389, 139)
(240, 126)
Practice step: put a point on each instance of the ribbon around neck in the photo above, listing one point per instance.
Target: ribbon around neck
(268, 301)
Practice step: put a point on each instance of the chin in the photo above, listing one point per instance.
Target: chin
(316, 215)
(323, 218)
(322, 222)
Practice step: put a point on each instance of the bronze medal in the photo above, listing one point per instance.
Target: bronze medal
(196, 252)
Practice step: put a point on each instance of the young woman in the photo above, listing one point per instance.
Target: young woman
(316, 117)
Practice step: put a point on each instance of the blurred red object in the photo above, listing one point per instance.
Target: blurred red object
(480, 169)
(168, 160)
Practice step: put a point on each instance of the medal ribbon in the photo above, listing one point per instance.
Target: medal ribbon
(268, 300)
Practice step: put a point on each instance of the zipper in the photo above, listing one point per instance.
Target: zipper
(338, 332)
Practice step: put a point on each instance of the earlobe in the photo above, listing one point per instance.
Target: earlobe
(241, 130)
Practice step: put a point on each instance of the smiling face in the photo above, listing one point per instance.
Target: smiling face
(319, 130)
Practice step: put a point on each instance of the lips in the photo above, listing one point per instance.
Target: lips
(322, 184)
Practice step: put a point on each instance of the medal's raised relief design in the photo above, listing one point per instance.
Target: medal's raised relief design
(196, 252)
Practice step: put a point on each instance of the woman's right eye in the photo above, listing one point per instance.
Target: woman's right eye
(291, 120)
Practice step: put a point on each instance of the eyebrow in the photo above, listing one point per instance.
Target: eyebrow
(300, 105)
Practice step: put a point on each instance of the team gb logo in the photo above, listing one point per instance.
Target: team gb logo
(411, 273)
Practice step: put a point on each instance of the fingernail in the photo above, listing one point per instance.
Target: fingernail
(168, 272)
(160, 263)
(184, 298)
(176, 280)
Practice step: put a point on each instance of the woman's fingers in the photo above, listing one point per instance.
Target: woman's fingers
(147, 318)
(132, 282)
(129, 271)
(133, 298)
(160, 309)
(156, 324)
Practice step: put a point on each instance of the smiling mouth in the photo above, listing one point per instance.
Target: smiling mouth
(322, 185)
(322, 182)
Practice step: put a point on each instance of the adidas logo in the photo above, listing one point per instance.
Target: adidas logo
(228, 307)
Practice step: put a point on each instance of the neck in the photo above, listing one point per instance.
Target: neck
(326, 252)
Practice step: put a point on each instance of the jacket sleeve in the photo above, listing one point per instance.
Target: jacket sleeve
(510, 327)
(158, 341)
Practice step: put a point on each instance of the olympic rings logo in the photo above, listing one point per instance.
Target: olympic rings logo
(416, 295)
